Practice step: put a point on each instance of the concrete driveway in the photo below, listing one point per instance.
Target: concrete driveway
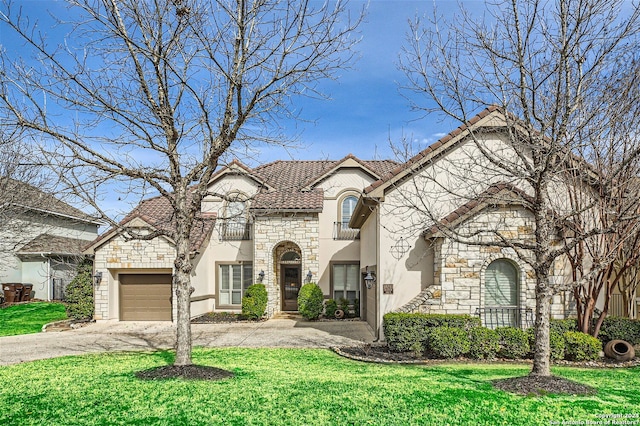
(109, 336)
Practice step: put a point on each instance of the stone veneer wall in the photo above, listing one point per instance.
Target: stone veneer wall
(459, 268)
(118, 255)
(269, 233)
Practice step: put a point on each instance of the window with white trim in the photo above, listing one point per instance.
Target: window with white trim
(234, 279)
(345, 279)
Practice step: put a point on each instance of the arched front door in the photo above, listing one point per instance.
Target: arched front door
(290, 273)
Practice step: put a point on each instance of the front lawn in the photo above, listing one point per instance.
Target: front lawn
(29, 318)
(298, 387)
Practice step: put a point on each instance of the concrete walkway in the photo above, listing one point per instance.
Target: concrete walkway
(109, 336)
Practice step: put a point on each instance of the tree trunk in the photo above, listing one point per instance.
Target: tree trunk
(542, 350)
(182, 282)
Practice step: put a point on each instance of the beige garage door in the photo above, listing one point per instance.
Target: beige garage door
(145, 297)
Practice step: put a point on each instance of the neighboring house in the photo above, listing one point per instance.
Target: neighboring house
(42, 239)
(291, 222)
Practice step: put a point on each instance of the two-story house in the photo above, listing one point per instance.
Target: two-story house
(41, 239)
(354, 227)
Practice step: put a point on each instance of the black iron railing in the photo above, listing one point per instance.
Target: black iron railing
(505, 316)
(235, 231)
(341, 231)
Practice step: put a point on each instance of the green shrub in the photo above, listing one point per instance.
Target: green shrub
(485, 343)
(556, 343)
(310, 301)
(254, 301)
(614, 328)
(406, 331)
(561, 326)
(330, 308)
(448, 342)
(356, 308)
(581, 347)
(514, 343)
(79, 293)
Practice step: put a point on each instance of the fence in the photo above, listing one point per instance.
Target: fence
(506, 316)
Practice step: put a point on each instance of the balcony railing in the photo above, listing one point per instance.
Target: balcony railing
(342, 232)
(235, 231)
(505, 316)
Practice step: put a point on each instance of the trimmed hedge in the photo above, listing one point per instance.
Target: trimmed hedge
(485, 343)
(410, 331)
(514, 343)
(614, 328)
(310, 301)
(581, 347)
(254, 301)
(561, 326)
(449, 342)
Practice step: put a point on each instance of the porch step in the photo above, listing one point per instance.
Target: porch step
(287, 315)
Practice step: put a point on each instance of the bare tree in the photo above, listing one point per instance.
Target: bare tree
(550, 68)
(153, 95)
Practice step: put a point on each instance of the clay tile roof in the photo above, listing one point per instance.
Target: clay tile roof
(285, 200)
(28, 196)
(158, 213)
(47, 243)
(499, 193)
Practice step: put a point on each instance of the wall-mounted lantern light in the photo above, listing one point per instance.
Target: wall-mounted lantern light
(261, 276)
(309, 276)
(97, 278)
(369, 279)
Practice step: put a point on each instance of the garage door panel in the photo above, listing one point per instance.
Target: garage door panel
(145, 297)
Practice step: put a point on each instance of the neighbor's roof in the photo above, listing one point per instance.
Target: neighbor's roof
(158, 214)
(27, 196)
(54, 244)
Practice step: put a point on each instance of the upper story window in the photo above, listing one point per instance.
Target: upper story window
(348, 206)
(345, 211)
(235, 225)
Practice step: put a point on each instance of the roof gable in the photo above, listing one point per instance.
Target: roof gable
(236, 167)
(350, 161)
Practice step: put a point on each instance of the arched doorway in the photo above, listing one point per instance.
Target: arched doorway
(289, 271)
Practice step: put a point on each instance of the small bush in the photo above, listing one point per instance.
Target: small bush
(344, 305)
(310, 300)
(79, 293)
(485, 343)
(403, 331)
(561, 326)
(449, 342)
(330, 307)
(556, 343)
(581, 347)
(356, 308)
(614, 328)
(514, 343)
(254, 301)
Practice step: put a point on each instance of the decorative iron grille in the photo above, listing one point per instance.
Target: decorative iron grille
(505, 316)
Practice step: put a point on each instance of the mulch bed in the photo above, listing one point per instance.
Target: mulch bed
(187, 372)
(221, 317)
(527, 385)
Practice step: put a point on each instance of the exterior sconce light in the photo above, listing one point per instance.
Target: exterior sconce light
(369, 279)
(97, 278)
(261, 276)
(309, 276)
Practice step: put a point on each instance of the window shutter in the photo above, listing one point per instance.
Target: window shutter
(501, 284)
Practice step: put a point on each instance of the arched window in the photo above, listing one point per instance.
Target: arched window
(501, 294)
(235, 219)
(348, 206)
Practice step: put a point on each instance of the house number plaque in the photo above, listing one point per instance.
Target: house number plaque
(387, 288)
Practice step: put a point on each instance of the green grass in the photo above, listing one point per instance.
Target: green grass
(29, 317)
(296, 387)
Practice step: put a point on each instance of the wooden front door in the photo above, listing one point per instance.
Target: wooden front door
(291, 282)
